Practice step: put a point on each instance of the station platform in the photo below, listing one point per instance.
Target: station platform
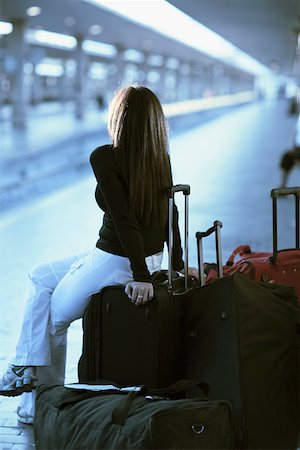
(231, 163)
(48, 124)
(53, 142)
(54, 147)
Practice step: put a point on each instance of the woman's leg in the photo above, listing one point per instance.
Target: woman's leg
(59, 292)
(88, 276)
(33, 346)
(25, 409)
(68, 300)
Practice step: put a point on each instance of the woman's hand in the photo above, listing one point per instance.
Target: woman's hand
(139, 292)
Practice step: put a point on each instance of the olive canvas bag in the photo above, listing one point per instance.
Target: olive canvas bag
(82, 419)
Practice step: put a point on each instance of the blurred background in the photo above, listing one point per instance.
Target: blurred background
(75, 53)
(228, 75)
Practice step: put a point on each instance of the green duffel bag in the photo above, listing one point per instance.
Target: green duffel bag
(72, 418)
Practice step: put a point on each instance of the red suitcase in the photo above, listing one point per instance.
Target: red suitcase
(280, 266)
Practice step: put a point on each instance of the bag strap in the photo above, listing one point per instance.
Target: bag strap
(161, 276)
(84, 394)
(240, 250)
(78, 397)
(120, 412)
(179, 386)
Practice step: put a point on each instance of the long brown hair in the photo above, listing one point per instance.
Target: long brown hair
(137, 127)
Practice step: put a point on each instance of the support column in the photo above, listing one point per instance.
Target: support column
(144, 69)
(160, 89)
(154, 74)
(80, 81)
(63, 86)
(207, 82)
(217, 75)
(120, 64)
(17, 48)
(184, 81)
(225, 82)
(196, 81)
(171, 79)
(115, 73)
(36, 56)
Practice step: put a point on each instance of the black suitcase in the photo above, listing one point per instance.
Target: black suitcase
(241, 338)
(137, 345)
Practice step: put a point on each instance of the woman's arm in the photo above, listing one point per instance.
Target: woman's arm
(116, 198)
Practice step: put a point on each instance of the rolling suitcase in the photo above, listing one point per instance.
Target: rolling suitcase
(137, 345)
(280, 266)
(241, 339)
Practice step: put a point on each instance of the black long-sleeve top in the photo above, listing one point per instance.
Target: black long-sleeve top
(121, 234)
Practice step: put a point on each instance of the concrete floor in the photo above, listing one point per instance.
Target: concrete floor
(231, 164)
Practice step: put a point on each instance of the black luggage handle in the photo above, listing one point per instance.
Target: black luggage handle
(280, 192)
(185, 189)
(199, 236)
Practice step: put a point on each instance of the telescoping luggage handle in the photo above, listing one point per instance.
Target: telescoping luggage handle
(199, 236)
(280, 192)
(185, 189)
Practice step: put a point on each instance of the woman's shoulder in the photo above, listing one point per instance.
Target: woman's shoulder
(103, 160)
(100, 153)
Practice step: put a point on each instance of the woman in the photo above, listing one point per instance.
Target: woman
(133, 174)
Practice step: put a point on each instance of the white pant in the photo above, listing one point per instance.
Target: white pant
(59, 292)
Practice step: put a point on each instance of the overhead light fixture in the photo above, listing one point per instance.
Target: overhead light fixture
(28, 68)
(48, 70)
(153, 77)
(97, 71)
(175, 24)
(33, 11)
(69, 21)
(155, 60)
(49, 67)
(99, 48)
(172, 63)
(70, 68)
(5, 28)
(96, 29)
(50, 39)
(133, 55)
